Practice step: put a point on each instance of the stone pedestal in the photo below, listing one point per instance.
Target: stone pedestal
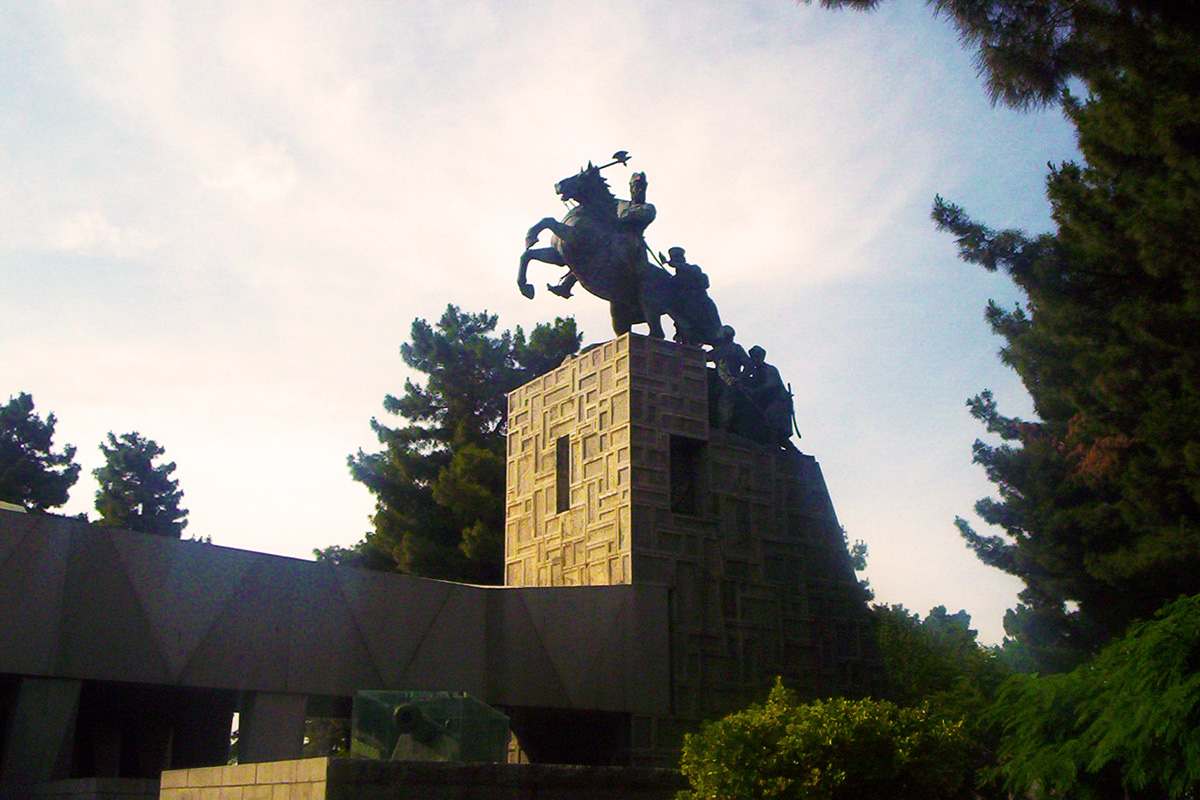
(615, 475)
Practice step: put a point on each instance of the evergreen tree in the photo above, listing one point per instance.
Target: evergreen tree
(439, 481)
(1028, 51)
(32, 475)
(1099, 496)
(135, 493)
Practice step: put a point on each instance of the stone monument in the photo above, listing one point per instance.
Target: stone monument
(617, 476)
(636, 463)
(601, 241)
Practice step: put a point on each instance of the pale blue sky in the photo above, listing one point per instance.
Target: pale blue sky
(219, 220)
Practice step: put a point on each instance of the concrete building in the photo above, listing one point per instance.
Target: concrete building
(658, 573)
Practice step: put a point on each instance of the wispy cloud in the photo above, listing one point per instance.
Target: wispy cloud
(89, 232)
(265, 176)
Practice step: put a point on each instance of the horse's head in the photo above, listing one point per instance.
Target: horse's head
(588, 188)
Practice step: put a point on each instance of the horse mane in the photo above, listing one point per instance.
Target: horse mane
(598, 192)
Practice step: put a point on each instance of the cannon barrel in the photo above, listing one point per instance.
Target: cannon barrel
(410, 719)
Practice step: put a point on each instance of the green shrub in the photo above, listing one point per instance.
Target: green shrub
(826, 750)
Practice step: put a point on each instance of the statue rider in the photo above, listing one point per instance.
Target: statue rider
(633, 216)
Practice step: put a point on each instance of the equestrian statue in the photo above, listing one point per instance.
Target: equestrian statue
(601, 242)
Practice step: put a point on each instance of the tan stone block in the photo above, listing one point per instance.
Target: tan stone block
(276, 772)
(204, 776)
(303, 791)
(240, 774)
(260, 791)
(232, 793)
(173, 778)
(312, 769)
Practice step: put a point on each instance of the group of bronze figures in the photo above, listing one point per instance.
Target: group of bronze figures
(601, 241)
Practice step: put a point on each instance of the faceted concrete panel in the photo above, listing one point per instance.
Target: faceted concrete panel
(19, 526)
(182, 589)
(102, 619)
(590, 656)
(328, 651)
(112, 605)
(32, 577)
(527, 675)
(391, 638)
(450, 654)
(581, 647)
(251, 637)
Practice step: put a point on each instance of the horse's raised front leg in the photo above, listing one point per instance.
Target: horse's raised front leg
(547, 255)
(546, 223)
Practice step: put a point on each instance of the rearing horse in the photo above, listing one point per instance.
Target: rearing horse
(607, 258)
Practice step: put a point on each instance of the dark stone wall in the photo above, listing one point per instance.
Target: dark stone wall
(115, 644)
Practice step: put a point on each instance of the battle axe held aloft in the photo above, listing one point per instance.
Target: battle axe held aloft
(619, 157)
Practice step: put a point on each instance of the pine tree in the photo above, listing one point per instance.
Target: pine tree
(1100, 495)
(32, 475)
(1028, 51)
(135, 493)
(439, 481)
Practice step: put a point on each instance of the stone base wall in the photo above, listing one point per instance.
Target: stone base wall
(302, 779)
(616, 474)
(360, 779)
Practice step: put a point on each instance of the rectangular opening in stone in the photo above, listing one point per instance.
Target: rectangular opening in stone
(562, 474)
(687, 475)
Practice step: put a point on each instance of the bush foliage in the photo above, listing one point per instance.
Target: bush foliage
(1124, 725)
(826, 750)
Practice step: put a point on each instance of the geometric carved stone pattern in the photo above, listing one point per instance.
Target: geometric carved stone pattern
(743, 537)
(586, 400)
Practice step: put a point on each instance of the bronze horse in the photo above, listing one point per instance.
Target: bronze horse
(609, 259)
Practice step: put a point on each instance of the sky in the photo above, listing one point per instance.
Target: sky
(218, 221)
